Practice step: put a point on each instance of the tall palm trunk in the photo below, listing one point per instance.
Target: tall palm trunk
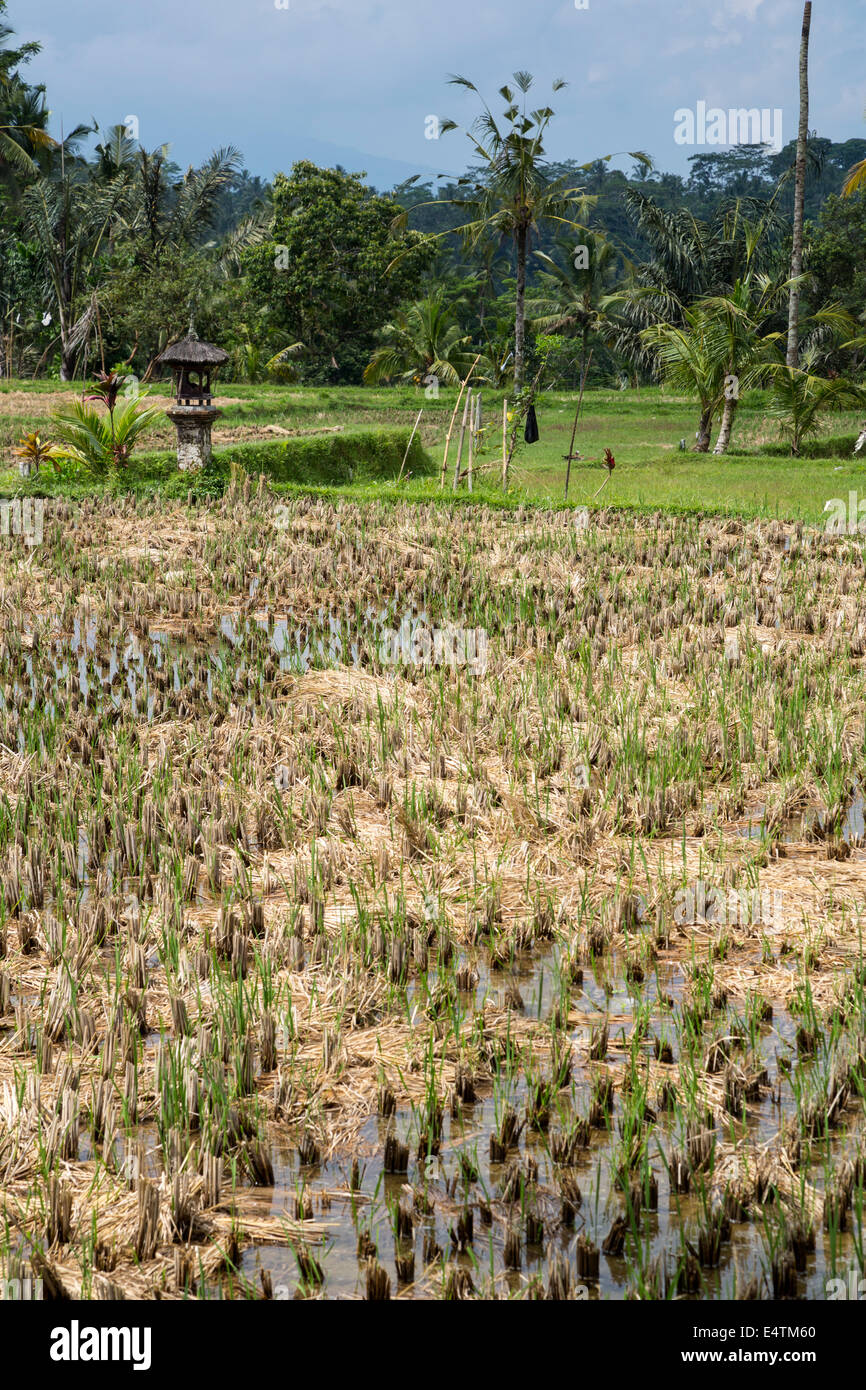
(521, 238)
(63, 291)
(793, 357)
(67, 352)
(702, 445)
(726, 426)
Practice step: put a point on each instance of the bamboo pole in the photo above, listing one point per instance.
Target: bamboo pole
(453, 418)
(505, 441)
(473, 436)
(520, 416)
(598, 490)
(462, 437)
(576, 417)
(409, 445)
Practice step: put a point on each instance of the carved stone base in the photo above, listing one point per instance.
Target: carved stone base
(193, 424)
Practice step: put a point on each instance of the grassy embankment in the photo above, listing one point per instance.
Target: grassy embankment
(643, 428)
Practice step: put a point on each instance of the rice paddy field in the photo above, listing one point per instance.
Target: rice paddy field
(643, 428)
(430, 902)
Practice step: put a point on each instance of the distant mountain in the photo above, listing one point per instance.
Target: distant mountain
(383, 173)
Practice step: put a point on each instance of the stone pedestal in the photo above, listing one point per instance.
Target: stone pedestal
(193, 424)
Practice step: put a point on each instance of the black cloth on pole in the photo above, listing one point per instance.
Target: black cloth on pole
(530, 434)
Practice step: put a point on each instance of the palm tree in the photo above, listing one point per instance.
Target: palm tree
(514, 193)
(423, 341)
(686, 260)
(116, 152)
(722, 349)
(23, 114)
(689, 259)
(799, 399)
(747, 348)
(169, 209)
(856, 179)
(690, 358)
(740, 315)
(22, 127)
(569, 299)
(69, 221)
(74, 214)
(793, 352)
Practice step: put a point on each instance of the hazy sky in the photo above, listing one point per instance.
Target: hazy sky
(353, 81)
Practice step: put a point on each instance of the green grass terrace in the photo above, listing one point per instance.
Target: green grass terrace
(642, 427)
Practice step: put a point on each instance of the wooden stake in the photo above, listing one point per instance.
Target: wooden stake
(453, 418)
(604, 484)
(409, 445)
(505, 441)
(473, 422)
(576, 416)
(462, 437)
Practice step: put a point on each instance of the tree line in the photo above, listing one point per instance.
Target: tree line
(528, 271)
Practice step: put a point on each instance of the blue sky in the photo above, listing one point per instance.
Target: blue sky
(353, 81)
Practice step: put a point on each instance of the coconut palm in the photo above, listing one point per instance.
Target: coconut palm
(799, 400)
(281, 366)
(690, 358)
(169, 209)
(723, 348)
(514, 193)
(795, 279)
(423, 341)
(22, 131)
(856, 179)
(569, 298)
(689, 260)
(116, 152)
(735, 344)
(686, 260)
(741, 315)
(23, 114)
(753, 304)
(69, 221)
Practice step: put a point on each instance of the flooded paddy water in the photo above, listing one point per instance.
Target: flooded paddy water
(409, 903)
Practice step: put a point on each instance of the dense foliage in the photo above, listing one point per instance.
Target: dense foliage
(107, 250)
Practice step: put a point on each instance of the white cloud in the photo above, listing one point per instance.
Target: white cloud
(747, 8)
(365, 73)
